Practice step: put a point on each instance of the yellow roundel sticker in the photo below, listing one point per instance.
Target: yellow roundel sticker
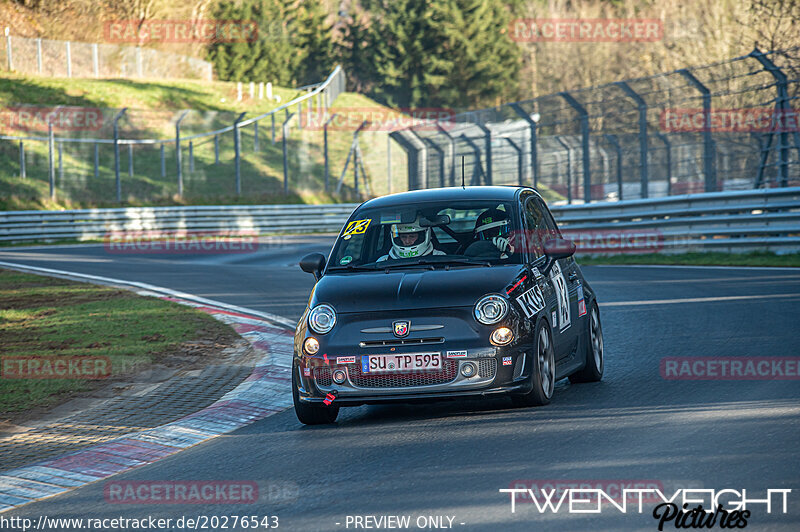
(356, 227)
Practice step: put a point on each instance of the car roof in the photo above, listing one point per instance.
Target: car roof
(500, 193)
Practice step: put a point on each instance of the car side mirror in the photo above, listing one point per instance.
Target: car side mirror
(313, 263)
(557, 248)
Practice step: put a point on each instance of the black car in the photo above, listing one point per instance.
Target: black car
(444, 293)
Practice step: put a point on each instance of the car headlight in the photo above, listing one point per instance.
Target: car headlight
(321, 319)
(491, 309)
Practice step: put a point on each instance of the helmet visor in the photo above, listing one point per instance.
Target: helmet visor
(492, 230)
(408, 239)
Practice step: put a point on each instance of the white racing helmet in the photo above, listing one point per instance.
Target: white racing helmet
(410, 240)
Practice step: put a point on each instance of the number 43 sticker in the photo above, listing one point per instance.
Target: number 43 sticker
(356, 227)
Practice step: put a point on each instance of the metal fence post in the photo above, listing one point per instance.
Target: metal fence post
(61, 163)
(612, 139)
(9, 53)
(452, 149)
(116, 154)
(642, 107)
(532, 122)
(325, 151)
(69, 59)
(569, 166)
(95, 61)
(587, 167)
(273, 127)
(191, 156)
(440, 155)
(216, 149)
(163, 161)
(52, 168)
(668, 147)
(238, 154)
(178, 158)
(39, 55)
(285, 128)
(255, 136)
(709, 161)
(130, 160)
(388, 164)
(96, 160)
(782, 107)
(518, 149)
(488, 149)
(21, 160)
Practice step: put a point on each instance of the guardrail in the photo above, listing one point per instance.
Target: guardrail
(731, 221)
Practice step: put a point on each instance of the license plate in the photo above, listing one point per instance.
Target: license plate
(395, 363)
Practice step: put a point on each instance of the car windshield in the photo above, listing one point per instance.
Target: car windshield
(465, 233)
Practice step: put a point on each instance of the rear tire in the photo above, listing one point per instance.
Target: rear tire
(312, 414)
(593, 370)
(543, 370)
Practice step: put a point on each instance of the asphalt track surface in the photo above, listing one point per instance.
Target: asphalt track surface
(450, 459)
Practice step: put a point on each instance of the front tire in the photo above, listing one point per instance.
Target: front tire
(593, 370)
(543, 370)
(311, 414)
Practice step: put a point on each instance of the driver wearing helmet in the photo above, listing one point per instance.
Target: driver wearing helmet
(494, 226)
(410, 240)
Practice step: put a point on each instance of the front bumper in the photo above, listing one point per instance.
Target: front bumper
(500, 371)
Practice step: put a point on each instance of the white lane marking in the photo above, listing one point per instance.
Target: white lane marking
(152, 288)
(768, 268)
(693, 300)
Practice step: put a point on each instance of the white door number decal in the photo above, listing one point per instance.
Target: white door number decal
(531, 302)
(560, 286)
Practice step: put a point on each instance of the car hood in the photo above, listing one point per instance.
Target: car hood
(411, 289)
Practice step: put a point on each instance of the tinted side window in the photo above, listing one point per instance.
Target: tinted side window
(535, 228)
(549, 222)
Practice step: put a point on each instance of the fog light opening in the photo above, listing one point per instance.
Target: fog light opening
(468, 369)
(502, 336)
(311, 345)
(339, 376)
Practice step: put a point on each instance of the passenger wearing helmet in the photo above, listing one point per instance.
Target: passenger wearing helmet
(493, 226)
(409, 241)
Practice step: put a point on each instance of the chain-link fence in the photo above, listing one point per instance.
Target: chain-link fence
(726, 126)
(92, 60)
(100, 156)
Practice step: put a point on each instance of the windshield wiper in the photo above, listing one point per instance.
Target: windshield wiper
(355, 268)
(446, 262)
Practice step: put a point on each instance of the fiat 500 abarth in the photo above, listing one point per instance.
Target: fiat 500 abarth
(444, 293)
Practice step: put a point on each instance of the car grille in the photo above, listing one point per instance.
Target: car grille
(447, 374)
(487, 367)
(395, 342)
(323, 376)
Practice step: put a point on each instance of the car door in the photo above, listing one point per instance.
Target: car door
(566, 283)
(554, 285)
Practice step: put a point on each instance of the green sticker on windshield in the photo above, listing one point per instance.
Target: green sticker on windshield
(346, 260)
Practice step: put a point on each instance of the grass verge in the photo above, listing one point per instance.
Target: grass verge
(47, 317)
(755, 258)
